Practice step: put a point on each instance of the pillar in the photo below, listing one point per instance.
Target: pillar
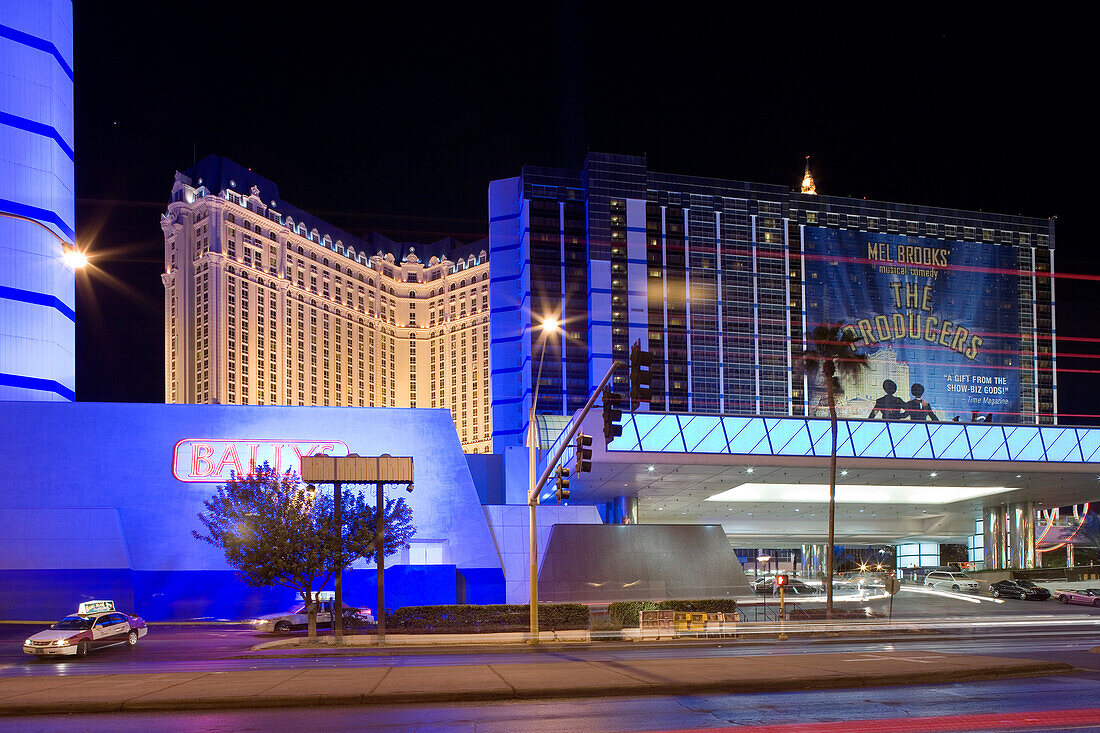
(813, 560)
(993, 539)
(1021, 534)
(1069, 554)
(622, 510)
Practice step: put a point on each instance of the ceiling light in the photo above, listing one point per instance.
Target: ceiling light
(749, 470)
(854, 493)
(650, 469)
(843, 473)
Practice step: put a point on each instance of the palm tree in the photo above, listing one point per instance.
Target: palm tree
(831, 354)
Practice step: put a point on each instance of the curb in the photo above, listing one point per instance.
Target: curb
(1029, 669)
(552, 647)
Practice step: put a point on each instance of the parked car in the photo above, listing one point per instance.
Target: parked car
(95, 625)
(1084, 596)
(795, 587)
(944, 580)
(297, 618)
(1025, 590)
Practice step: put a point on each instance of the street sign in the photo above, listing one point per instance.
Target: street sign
(355, 469)
(893, 585)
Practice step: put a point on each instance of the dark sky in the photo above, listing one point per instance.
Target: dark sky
(396, 121)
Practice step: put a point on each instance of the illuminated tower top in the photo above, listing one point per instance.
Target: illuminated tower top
(808, 180)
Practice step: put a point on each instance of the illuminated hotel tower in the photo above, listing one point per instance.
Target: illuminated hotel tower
(267, 304)
(37, 201)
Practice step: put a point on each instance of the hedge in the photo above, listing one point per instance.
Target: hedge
(628, 613)
(511, 617)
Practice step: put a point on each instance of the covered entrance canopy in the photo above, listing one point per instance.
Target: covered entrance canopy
(766, 478)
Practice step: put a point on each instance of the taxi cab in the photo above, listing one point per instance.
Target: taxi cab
(96, 624)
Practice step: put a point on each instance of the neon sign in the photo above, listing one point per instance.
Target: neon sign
(200, 460)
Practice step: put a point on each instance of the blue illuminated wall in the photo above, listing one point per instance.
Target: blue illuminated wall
(92, 508)
(37, 201)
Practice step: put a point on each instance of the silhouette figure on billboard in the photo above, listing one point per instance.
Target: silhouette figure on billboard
(889, 406)
(918, 408)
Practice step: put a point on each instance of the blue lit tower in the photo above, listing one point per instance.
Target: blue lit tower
(37, 201)
(720, 280)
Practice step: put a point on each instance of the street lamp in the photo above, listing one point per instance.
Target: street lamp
(764, 586)
(73, 257)
(548, 326)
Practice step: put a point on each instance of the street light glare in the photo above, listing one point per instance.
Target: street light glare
(550, 324)
(73, 257)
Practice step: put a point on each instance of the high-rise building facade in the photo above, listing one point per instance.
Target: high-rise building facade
(37, 202)
(722, 280)
(267, 304)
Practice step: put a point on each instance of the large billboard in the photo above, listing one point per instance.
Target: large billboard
(937, 321)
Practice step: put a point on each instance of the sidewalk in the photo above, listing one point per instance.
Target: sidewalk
(389, 685)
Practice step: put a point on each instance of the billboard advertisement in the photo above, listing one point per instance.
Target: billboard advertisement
(937, 321)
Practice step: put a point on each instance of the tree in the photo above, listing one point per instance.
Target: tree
(832, 356)
(277, 533)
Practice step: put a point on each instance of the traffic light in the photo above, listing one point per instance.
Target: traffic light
(584, 453)
(612, 413)
(561, 484)
(640, 362)
(780, 581)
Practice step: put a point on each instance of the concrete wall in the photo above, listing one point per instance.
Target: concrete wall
(628, 562)
(511, 529)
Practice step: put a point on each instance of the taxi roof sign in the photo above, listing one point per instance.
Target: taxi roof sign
(95, 607)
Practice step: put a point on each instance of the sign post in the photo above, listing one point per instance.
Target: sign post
(781, 581)
(356, 469)
(338, 581)
(893, 585)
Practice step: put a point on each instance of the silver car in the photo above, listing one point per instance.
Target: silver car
(296, 618)
(958, 582)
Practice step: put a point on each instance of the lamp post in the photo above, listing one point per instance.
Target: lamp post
(548, 326)
(764, 559)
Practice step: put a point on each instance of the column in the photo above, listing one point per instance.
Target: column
(993, 540)
(813, 560)
(1021, 534)
(622, 510)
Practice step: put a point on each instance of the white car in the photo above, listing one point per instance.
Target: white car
(296, 618)
(95, 625)
(958, 582)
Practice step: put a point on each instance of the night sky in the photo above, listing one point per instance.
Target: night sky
(396, 121)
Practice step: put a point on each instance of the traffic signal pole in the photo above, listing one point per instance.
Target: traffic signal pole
(536, 488)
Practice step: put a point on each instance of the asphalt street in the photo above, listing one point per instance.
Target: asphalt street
(1046, 626)
(1032, 630)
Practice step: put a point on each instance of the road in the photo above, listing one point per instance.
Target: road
(1031, 630)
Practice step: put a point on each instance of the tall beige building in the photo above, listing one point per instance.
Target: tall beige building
(265, 304)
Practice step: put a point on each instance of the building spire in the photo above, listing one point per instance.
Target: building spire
(808, 180)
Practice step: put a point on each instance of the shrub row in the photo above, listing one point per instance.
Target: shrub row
(511, 617)
(628, 613)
